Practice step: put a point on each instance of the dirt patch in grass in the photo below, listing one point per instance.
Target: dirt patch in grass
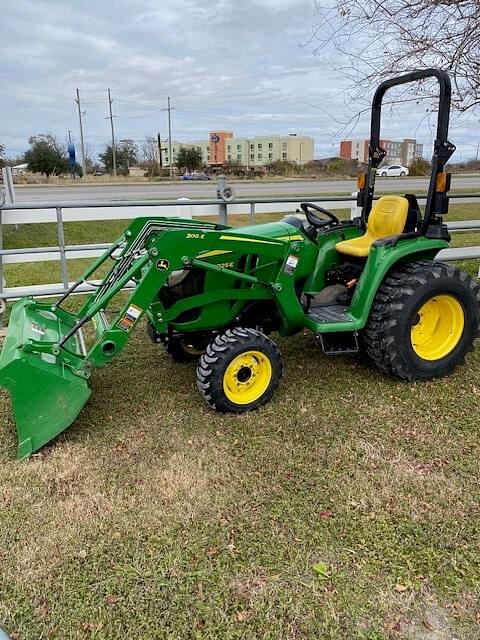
(425, 488)
(433, 624)
(252, 585)
(73, 491)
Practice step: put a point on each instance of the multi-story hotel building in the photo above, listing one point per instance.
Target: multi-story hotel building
(398, 151)
(223, 147)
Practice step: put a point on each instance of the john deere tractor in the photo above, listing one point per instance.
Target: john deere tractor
(215, 294)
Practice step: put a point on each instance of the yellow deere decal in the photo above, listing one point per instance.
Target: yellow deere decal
(297, 237)
(248, 240)
(209, 254)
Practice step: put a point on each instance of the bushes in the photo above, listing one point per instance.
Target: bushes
(420, 167)
(283, 168)
(469, 165)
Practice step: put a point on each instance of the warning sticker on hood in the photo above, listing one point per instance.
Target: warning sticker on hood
(131, 315)
(290, 264)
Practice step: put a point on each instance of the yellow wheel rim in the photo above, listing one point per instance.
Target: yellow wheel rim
(437, 327)
(247, 377)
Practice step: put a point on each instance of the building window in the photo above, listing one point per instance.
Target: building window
(270, 145)
(284, 145)
(239, 156)
(252, 147)
(259, 156)
(229, 147)
(270, 155)
(259, 145)
(284, 155)
(252, 156)
(239, 147)
(229, 156)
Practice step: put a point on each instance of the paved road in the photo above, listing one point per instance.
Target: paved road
(93, 193)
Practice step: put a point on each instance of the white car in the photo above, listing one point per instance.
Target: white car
(392, 171)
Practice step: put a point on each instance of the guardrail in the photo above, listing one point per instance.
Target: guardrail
(61, 212)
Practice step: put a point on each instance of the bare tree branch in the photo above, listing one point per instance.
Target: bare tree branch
(378, 38)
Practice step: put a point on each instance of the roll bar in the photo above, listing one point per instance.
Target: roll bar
(442, 151)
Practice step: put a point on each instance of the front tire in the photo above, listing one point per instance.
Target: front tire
(239, 371)
(423, 321)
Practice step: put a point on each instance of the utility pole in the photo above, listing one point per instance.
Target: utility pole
(110, 117)
(169, 109)
(70, 136)
(82, 146)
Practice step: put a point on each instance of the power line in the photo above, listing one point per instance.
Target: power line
(147, 115)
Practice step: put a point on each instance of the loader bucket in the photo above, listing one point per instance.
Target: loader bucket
(46, 395)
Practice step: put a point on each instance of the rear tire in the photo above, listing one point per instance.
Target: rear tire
(423, 321)
(239, 371)
(402, 174)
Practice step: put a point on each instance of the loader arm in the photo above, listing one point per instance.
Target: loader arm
(45, 363)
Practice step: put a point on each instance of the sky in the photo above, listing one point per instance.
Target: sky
(247, 66)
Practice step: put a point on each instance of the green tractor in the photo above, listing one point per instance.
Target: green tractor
(214, 294)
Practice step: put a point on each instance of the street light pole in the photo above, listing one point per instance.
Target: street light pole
(114, 151)
(169, 109)
(82, 146)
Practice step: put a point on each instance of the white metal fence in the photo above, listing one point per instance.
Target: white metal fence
(59, 213)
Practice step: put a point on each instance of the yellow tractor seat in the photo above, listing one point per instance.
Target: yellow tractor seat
(387, 218)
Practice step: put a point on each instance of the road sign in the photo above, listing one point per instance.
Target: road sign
(214, 138)
(71, 158)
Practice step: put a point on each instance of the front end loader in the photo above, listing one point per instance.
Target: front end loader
(214, 294)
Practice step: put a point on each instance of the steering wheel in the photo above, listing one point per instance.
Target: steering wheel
(314, 220)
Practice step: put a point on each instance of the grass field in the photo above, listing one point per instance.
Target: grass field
(345, 509)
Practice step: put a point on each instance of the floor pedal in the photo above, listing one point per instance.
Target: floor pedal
(334, 344)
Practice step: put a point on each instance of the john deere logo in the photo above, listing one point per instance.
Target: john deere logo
(162, 264)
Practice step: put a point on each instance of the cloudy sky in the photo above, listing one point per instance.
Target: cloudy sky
(241, 65)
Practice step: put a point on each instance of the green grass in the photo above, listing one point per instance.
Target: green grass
(153, 517)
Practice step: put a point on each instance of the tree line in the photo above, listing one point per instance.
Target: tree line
(48, 157)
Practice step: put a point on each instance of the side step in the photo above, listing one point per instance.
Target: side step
(329, 313)
(339, 343)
